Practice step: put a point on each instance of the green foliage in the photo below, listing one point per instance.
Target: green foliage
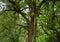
(48, 21)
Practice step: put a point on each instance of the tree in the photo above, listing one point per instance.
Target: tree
(34, 12)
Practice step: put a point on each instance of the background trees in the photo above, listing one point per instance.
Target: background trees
(30, 21)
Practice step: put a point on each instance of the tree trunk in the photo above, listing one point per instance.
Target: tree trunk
(32, 30)
(30, 35)
(33, 23)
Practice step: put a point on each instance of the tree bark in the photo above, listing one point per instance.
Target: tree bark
(30, 35)
(34, 29)
(32, 32)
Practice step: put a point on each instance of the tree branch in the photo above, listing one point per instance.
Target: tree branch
(23, 26)
(9, 10)
(24, 8)
(17, 9)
